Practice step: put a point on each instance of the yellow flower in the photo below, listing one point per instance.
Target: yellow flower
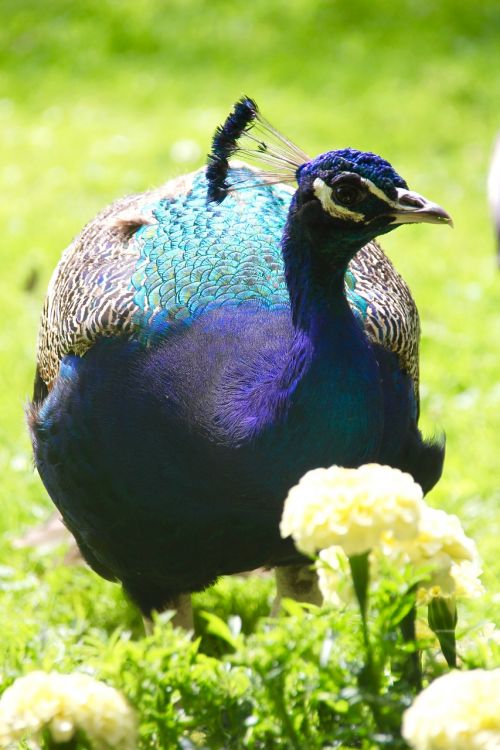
(334, 576)
(458, 711)
(351, 508)
(442, 544)
(466, 578)
(65, 704)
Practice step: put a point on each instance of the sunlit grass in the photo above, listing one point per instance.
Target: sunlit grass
(94, 98)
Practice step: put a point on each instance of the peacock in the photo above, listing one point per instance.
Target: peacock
(204, 344)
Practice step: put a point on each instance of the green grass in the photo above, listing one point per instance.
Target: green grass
(93, 98)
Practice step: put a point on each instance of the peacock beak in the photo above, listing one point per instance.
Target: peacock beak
(412, 208)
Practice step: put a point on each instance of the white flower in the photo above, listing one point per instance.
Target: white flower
(351, 508)
(442, 544)
(334, 576)
(458, 711)
(466, 578)
(64, 704)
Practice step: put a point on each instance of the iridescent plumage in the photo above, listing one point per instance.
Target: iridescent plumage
(165, 255)
(204, 344)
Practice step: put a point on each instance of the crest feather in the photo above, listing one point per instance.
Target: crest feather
(246, 133)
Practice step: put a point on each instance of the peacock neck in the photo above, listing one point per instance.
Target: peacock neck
(315, 261)
(321, 403)
(329, 386)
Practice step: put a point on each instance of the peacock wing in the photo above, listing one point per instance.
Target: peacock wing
(153, 260)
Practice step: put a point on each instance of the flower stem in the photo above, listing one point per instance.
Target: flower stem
(412, 667)
(369, 679)
(360, 571)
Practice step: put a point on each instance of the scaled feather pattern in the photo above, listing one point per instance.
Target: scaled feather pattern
(187, 254)
(196, 357)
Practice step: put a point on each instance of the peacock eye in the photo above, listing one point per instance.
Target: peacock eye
(348, 193)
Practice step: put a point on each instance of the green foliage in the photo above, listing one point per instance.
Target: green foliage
(94, 98)
(292, 683)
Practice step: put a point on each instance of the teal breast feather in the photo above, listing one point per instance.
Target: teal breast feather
(164, 256)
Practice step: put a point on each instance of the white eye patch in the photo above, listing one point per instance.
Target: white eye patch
(324, 194)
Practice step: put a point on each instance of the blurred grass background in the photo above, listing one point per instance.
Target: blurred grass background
(104, 97)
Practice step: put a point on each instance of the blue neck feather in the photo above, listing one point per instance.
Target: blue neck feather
(327, 384)
(315, 264)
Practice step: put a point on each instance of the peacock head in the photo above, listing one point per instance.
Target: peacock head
(348, 196)
(359, 196)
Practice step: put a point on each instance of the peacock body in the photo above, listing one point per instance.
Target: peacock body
(196, 357)
(152, 259)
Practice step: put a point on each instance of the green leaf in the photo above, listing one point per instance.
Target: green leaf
(219, 629)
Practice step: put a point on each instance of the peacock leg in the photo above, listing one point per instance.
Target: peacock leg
(183, 617)
(298, 582)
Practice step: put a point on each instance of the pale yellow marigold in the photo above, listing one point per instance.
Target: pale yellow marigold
(65, 704)
(442, 544)
(458, 711)
(334, 576)
(351, 508)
